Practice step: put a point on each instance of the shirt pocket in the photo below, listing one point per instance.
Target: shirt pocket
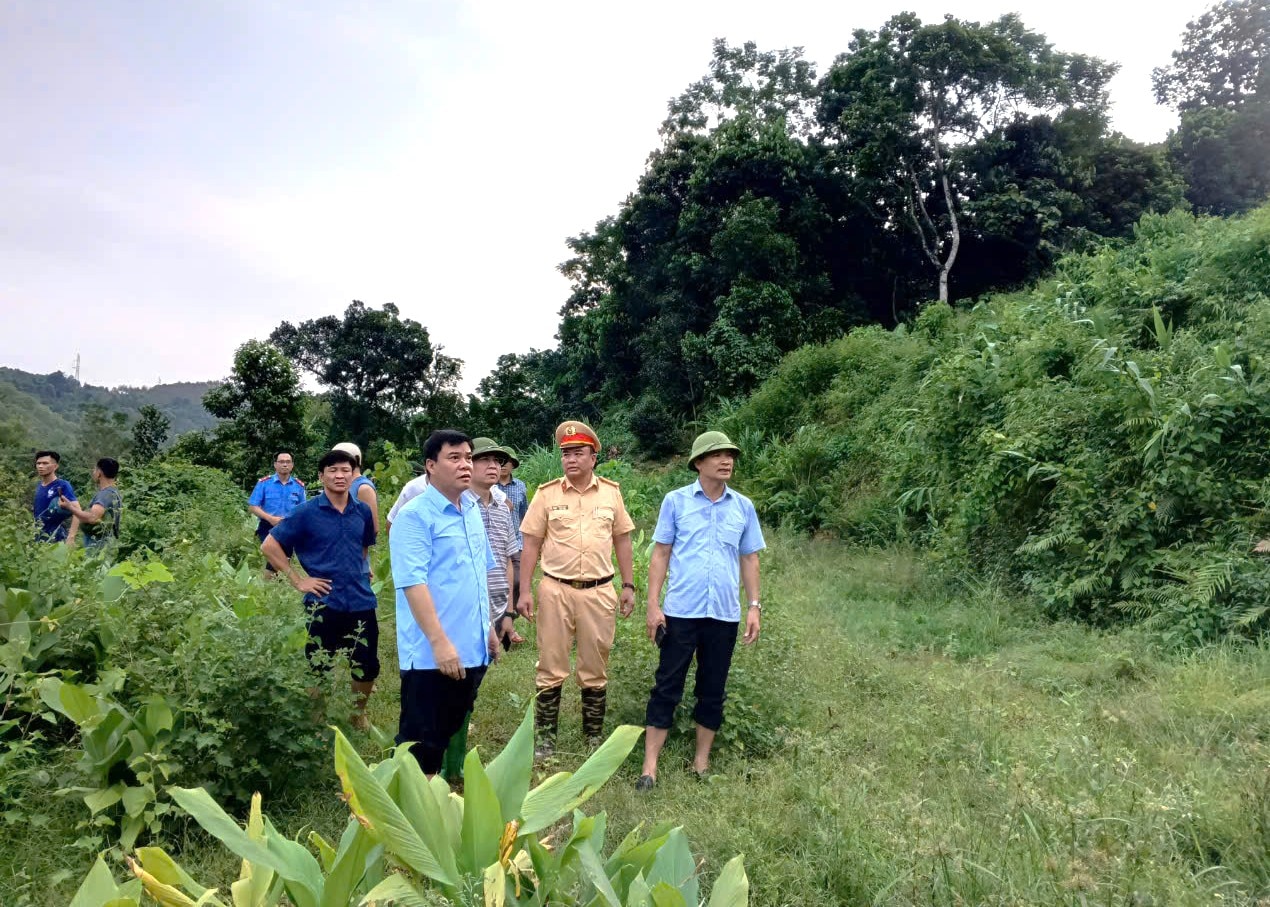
(602, 522)
(563, 523)
(730, 532)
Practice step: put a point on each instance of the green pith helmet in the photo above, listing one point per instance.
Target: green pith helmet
(511, 455)
(708, 442)
(482, 446)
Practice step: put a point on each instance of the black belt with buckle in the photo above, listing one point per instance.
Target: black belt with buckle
(581, 583)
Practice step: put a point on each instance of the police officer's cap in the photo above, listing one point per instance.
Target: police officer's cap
(576, 434)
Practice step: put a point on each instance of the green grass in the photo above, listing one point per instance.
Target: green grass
(897, 738)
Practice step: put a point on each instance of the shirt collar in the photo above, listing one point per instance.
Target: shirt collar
(698, 490)
(440, 503)
(565, 484)
(276, 478)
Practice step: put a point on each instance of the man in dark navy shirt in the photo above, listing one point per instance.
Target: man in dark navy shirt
(50, 518)
(330, 536)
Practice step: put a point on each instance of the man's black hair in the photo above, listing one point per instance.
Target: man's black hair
(281, 452)
(51, 454)
(331, 457)
(109, 467)
(443, 437)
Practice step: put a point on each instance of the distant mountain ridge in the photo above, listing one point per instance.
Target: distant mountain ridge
(49, 407)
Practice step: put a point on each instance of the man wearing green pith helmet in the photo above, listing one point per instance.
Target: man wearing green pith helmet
(707, 539)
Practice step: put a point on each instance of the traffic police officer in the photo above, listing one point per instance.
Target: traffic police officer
(576, 523)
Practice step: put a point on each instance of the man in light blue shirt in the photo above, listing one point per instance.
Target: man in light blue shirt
(440, 560)
(708, 538)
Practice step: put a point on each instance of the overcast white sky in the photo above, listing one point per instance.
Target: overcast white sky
(177, 178)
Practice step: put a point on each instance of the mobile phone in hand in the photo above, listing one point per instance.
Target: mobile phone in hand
(659, 635)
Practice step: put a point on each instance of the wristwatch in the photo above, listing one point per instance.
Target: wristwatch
(630, 586)
(755, 604)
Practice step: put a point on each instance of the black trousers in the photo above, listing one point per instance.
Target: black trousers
(433, 708)
(354, 632)
(712, 642)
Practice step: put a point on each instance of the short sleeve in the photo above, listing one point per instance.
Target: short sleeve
(368, 529)
(622, 522)
(490, 563)
(535, 521)
(69, 491)
(410, 545)
(752, 534)
(666, 522)
(257, 498)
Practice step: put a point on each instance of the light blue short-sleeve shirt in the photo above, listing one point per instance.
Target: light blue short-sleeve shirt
(435, 544)
(706, 539)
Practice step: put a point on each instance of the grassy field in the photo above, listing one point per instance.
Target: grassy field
(895, 738)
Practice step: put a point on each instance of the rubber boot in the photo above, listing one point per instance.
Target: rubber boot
(455, 753)
(594, 703)
(546, 721)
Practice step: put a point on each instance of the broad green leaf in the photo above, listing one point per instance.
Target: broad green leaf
(511, 770)
(129, 830)
(419, 804)
(482, 818)
(135, 800)
(326, 853)
(368, 799)
(395, 889)
(663, 895)
(158, 716)
(357, 852)
(167, 895)
(732, 887)
(593, 869)
(640, 854)
(494, 878)
(545, 804)
(159, 864)
(70, 699)
(637, 895)
(101, 799)
(674, 866)
(97, 888)
(295, 864)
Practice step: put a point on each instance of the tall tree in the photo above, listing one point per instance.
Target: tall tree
(262, 406)
(149, 433)
(1219, 82)
(102, 433)
(1223, 57)
(904, 102)
(378, 368)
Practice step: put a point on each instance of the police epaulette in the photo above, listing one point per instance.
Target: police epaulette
(609, 481)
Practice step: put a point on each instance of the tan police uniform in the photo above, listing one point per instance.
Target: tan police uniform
(577, 598)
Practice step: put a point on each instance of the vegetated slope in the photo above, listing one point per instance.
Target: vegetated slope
(64, 396)
(27, 419)
(1102, 440)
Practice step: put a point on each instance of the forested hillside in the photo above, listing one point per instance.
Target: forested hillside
(48, 410)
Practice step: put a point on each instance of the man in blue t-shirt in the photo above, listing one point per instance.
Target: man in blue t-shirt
(50, 518)
(275, 496)
(707, 539)
(330, 535)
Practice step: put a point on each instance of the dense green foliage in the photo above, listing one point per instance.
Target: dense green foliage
(169, 661)
(784, 207)
(1101, 440)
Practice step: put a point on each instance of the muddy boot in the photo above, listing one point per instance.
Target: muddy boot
(593, 706)
(546, 721)
(455, 753)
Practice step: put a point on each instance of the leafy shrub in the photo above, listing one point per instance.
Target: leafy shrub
(1100, 440)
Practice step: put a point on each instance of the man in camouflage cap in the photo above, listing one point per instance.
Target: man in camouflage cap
(576, 523)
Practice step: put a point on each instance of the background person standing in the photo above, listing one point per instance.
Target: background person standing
(100, 521)
(577, 523)
(275, 496)
(330, 535)
(50, 517)
(708, 538)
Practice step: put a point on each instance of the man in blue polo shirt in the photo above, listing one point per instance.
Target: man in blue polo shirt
(275, 496)
(441, 558)
(331, 535)
(50, 517)
(708, 538)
